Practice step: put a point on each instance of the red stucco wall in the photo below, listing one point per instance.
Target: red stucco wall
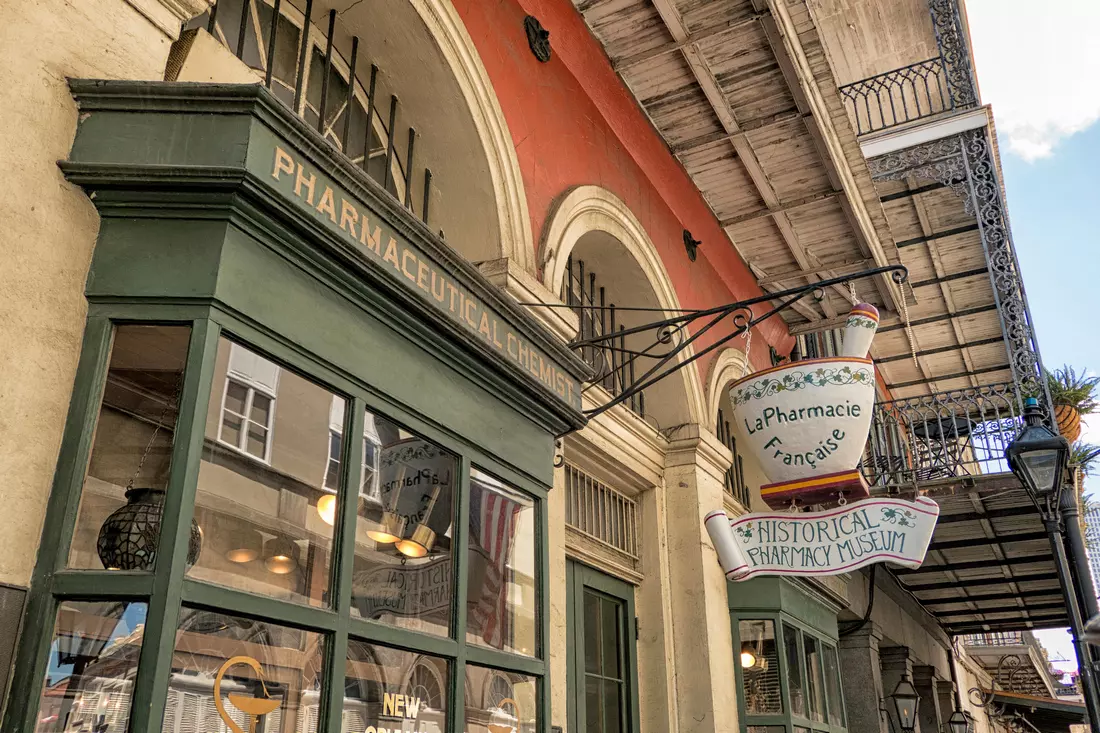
(575, 123)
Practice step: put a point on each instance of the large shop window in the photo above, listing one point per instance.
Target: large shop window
(788, 678)
(256, 549)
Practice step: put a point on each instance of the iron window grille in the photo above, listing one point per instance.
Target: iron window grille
(601, 512)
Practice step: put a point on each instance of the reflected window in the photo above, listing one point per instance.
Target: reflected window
(394, 690)
(403, 573)
(93, 661)
(267, 518)
(760, 667)
(832, 686)
(815, 684)
(118, 524)
(503, 589)
(500, 701)
(791, 641)
(251, 674)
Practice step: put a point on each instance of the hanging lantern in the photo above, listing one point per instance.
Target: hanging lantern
(128, 538)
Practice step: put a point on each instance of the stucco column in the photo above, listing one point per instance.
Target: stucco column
(897, 661)
(930, 713)
(702, 644)
(559, 602)
(861, 674)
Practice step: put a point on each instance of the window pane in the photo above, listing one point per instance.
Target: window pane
(92, 664)
(261, 409)
(760, 667)
(393, 690)
(262, 673)
(592, 646)
(236, 396)
(503, 590)
(498, 700)
(268, 525)
(832, 686)
(403, 572)
(815, 692)
(119, 518)
(794, 670)
(231, 429)
(612, 707)
(612, 637)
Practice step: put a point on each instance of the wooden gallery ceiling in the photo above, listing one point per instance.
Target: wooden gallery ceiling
(743, 94)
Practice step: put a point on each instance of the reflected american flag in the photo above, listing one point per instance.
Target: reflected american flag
(492, 526)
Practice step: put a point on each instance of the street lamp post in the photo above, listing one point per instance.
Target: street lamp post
(1038, 458)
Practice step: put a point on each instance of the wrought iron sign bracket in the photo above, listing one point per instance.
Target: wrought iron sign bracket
(674, 334)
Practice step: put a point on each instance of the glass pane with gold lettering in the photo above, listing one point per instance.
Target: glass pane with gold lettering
(92, 664)
(236, 674)
(268, 480)
(118, 524)
(503, 597)
(403, 572)
(500, 702)
(394, 690)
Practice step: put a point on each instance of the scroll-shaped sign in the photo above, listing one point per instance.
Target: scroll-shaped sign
(824, 543)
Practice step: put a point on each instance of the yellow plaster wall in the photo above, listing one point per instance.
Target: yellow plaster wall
(48, 234)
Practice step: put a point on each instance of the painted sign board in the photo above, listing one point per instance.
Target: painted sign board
(351, 218)
(830, 542)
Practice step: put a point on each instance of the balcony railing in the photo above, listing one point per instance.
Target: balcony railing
(899, 96)
(941, 436)
(301, 66)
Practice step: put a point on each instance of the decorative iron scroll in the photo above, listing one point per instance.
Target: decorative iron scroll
(1004, 269)
(953, 50)
(940, 160)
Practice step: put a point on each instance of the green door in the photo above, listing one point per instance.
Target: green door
(602, 656)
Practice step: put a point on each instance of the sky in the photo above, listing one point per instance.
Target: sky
(1039, 68)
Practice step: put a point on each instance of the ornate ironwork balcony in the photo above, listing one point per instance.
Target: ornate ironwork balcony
(899, 96)
(948, 435)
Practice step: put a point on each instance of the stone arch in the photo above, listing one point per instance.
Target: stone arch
(514, 222)
(728, 366)
(586, 210)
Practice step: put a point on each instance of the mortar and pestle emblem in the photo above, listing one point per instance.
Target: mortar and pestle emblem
(254, 707)
(806, 422)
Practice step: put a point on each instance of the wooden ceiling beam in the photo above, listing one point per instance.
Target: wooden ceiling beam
(945, 377)
(697, 37)
(784, 277)
(1003, 539)
(799, 306)
(994, 596)
(751, 126)
(1026, 608)
(781, 208)
(935, 319)
(940, 350)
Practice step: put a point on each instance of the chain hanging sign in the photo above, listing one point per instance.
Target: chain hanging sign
(838, 540)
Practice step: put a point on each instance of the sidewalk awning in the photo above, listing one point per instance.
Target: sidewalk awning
(1046, 714)
(989, 567)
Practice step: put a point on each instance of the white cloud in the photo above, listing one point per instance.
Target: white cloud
(1039, 66)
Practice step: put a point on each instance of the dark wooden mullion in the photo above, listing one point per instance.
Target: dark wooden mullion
(343, 564)
(198, 594)
(379, 633)
(31, 659)
(102, 585)
(158, 645)
(459, 609)
(542, 644)
(506, 661)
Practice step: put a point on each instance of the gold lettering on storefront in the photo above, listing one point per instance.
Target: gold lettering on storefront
(332, 206)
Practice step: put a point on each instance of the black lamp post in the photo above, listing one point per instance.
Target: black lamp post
(1038, 457)
(905, 700)
(959, 722)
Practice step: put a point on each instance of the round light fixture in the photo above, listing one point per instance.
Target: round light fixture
(128, 538)
(748, 659)
(421, 543)
(326, 508)
(390, 530)
(281, 557)
(248, 546)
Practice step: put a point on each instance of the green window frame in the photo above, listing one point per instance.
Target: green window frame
(167, 589)
(582, 580)
(786, 719)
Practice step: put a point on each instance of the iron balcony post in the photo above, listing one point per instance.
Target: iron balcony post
(1084, 659)
(1086, 588)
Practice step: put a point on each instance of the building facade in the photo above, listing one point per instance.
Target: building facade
(328, 394)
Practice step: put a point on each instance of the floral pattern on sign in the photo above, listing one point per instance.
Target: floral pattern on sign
(793, 381)
(862, 322)
(900, 517)
(745, 533)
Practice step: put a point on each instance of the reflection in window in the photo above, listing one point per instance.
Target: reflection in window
(93, 661)
(267, 523)
(794, 670)
(403, 573)
(254, 674)
(832, 686)
(503, 596)
(119, 520)
(394, 690)
(760, 679)
(815, 688)
(499, 700)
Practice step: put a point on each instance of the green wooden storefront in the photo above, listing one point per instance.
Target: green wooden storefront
(225, 215)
